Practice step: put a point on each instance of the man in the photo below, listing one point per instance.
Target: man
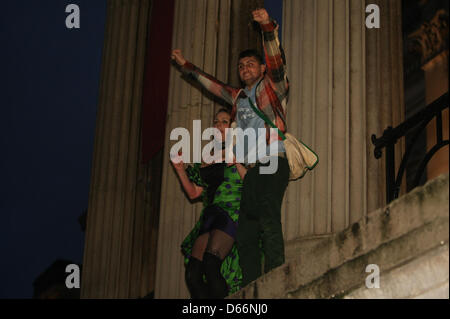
(267, 87)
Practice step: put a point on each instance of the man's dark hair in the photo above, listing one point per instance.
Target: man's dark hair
(251, 53)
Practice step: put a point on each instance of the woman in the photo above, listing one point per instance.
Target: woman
(209, 248)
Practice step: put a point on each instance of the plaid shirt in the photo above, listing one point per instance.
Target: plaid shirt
(271, 91)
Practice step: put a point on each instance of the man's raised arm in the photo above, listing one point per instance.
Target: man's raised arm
(211, 84)
(275, 62)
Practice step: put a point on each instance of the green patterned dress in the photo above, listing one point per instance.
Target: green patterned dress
(227, 197)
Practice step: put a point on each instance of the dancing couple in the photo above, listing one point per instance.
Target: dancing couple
(240, 224)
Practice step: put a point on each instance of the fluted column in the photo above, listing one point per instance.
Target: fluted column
(243, 34)
(115, 252)
(346, 84)
(202, 30)
(385, 94)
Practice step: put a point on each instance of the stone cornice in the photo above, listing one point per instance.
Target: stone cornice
(431, 38)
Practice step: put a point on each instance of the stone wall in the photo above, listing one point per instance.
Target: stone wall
(423, 277)
(407, 240)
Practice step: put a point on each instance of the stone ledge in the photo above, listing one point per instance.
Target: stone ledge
(294, 247)
(430, 276)
(409, 226)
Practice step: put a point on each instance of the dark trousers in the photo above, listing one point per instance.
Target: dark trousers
(259, 232)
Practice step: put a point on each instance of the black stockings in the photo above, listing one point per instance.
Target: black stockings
(218, 246)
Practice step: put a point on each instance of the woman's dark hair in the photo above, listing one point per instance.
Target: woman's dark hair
(222, 110)
(251, 53)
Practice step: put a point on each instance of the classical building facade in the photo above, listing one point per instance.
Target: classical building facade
(347, 83)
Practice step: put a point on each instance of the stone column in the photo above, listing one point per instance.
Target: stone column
(243, 34)
(120, 225)
(385, 95)
(346, 84)
(202, 31)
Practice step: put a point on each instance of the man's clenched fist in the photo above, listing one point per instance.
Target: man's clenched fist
(178, 57)
(261, 16)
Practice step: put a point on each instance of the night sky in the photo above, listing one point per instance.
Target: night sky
(49, 92)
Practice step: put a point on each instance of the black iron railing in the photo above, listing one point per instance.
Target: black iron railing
(418, 123)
